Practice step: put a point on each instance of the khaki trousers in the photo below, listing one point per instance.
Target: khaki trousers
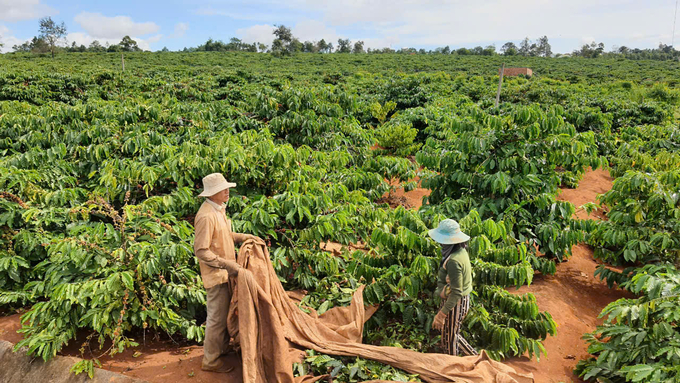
(216, 341)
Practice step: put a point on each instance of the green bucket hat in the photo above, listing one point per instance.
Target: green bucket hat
(448, 233)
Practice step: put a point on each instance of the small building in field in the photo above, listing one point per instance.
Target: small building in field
(517, 71)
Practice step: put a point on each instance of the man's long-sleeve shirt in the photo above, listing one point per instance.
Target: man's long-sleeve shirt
(214, 243)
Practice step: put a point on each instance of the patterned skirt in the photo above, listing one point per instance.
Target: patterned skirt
(452, 341)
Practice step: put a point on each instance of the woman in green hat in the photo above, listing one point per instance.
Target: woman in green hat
(454, 286)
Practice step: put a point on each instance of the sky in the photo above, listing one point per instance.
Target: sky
(427, 24)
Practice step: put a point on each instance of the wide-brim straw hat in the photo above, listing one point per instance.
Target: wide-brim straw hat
(448, 233)
(215, 183)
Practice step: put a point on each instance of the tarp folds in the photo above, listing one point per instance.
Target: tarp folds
(269, 326)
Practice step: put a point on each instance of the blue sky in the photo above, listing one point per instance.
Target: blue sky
(379, 23)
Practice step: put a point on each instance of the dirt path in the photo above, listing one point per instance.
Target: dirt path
(573, 296)
(9, 325)
(159, 361)
(165, 362)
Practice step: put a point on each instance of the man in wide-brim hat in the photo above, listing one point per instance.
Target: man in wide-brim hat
(214, 247)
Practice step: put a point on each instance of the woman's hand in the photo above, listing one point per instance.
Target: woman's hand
(438, 323)
(445, 292)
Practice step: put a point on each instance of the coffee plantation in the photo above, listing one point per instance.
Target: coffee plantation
(100, 172)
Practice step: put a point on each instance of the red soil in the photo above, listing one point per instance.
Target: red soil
(163, 361)
(573, 296)
(158, 361)
(9, 325)
(410, 199)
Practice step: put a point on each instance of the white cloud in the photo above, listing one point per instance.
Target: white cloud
(377, 12)
(17, 10)
(103, 27)
(180, 30)
(154, 39)
(314, 30)
(587, 40)
(81, 38)
(379, 43)
(252, 14)
(465, 22)
(257, 34)
(304, 30)
(8, 40)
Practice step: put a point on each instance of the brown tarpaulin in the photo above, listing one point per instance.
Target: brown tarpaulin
(269, 326)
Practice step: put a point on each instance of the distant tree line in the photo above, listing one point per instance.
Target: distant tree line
(52, 39)
(285, 43)
(538, 48)
(663, 52)
(234, 44)
(595, 50)
(40, 45)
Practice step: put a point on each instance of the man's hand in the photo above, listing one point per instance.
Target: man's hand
(231, 267)
(438, 322)
(255, 238)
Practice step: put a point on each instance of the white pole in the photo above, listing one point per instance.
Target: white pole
(500, 83)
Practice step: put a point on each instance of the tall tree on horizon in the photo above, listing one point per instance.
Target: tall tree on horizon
(129, 45)
(96, 46)
(544, 48)
(321, 46)
(509, 49)
(525, 47)
(285, 42)
(344, 46)
(52, 33)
